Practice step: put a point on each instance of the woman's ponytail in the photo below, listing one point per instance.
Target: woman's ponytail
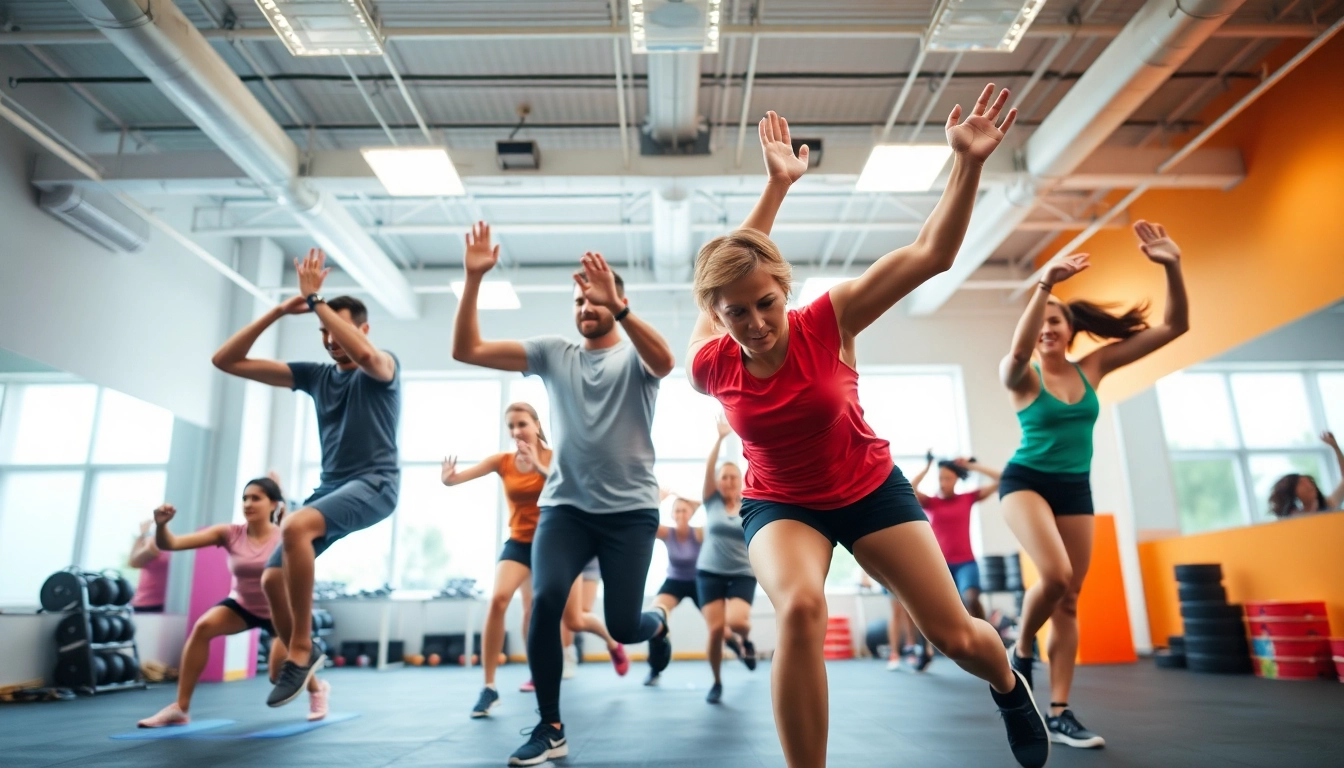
(1105, 321)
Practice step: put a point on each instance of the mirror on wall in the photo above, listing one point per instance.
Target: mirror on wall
(81, 468)
(1239, 424)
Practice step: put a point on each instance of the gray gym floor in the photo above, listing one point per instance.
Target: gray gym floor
(418, 717)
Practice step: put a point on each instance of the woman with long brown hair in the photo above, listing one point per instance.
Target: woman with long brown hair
(1045, 489)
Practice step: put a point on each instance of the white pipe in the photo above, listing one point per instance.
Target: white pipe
(620, 99)
(903, 95)
(746, 98)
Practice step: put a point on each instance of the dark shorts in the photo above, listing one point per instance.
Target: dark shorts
(252, 620)
(716, 586)
(349, 506)
(1067, 493)
(518, 552)
(967, 575)
(891, 503)
(680, 589)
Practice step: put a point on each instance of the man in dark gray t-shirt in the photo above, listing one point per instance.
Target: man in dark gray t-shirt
(358, 402)
(600, 497)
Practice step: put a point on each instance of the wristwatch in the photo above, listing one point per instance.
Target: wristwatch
(619, 316)
(313, 300)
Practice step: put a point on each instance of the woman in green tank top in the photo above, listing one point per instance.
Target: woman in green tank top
(1045, 491)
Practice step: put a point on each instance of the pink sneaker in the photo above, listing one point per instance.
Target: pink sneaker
(169, 715)
(527, 687)
(619, 660)
(317, 701)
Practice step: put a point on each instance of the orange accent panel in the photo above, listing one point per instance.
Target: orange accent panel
(1295, 559)
(1104, 634)
(1255, 257)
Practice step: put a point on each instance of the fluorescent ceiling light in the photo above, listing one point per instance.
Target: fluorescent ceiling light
(813, 287)
(324, 27)
(415, 171)
(980, 25)
(493, 295)
(903, 167)
(658, 26)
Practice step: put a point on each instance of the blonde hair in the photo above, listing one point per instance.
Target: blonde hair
(522, 407)
(731, 257)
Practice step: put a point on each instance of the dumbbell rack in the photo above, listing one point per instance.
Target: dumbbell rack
(90, 649)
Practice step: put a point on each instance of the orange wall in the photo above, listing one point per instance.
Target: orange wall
(1295, 559)
(1256, 257)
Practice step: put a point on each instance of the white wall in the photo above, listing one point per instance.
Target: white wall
(144, 324)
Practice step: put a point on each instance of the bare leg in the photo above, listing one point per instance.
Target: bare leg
(509, 575)
(578, 612)
(971, 598)
(738, 617)
(908, 558)
(1032, 522)
(273, 583)
(894, 628)
(527, 607)
(1076, 532)
(791, 560)
(297, 534)
(714, 617)
(216, 622)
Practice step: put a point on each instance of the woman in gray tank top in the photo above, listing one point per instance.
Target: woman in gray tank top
(723, 577)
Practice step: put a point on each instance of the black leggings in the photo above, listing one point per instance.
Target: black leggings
(566, 539)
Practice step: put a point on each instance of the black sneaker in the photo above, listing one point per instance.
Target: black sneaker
(1021, 666)
(733, 646)
(749, 655)
(489, 699)
(660, 647)
(546, 742)
(1027, 735)
(293, 679)
(925, 659)
(715, 694)
(1065, 729)
(652, 679)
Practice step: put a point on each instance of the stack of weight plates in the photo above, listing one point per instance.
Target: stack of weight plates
(992, 574)
(1012, 573)
(1173, 656)
(1215, 637)
(1291, 641)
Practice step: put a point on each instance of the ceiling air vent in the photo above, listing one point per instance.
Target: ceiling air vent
(980, 25)
(98, 215)
(661, 26)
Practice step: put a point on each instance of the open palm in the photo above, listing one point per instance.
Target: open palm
(780, 162)
(977, 137)
(481, 256)
(1155, 244)
(1063, 269)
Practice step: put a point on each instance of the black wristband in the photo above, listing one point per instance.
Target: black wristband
(313, 300)
(1048, 287)
(624, 313)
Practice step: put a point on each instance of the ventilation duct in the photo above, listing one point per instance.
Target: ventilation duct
(98, 216)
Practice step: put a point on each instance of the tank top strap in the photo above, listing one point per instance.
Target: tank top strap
(1087, 384)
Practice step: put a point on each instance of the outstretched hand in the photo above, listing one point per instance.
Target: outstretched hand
(598, 282)
(481, 256)
(295, 305)
(313, 271)
(781, 164)
(1155, 244)
(1063, 269)
(1329, 439)
(977, 137)
(725, 429)
(449, 470)
(164, 513)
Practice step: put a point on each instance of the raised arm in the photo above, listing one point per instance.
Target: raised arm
(215, 535)
(468, 347)
(598, 284)
(984, 491)
(711, 485)
(1336, 498)
(860, 302)
(352, 338)
(232, 357)
(1015, 369)
(450, 476)
(919, 478)
(782, 167)
(1159, 249)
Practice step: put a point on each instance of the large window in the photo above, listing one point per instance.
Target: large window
(81, 467)
(439, 533)
(1232, 432)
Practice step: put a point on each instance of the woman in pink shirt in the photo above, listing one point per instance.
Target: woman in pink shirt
(249, 546)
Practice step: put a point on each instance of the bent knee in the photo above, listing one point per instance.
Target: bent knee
(805, 608)
(1057, 583)
(955, 643)
(1068, 604)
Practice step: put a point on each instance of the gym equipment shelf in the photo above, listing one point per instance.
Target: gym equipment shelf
(68, 592)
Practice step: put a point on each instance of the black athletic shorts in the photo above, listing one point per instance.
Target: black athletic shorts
(518, 552)
(891, 503)
(716, 586)
(1067, 493)
(252, 620)
(680, 589)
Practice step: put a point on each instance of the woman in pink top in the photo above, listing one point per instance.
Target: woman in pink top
(249, 546)
(152, 563)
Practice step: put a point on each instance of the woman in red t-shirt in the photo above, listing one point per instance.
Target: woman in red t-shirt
(817, 474)
(950, 515)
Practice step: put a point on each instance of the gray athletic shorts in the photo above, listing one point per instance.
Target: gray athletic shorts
(591, 572)
(349, 506)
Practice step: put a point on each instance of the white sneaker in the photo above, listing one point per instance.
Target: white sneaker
(571, 667)
(893, 664)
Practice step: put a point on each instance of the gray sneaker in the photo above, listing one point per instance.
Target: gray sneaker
(293, 679)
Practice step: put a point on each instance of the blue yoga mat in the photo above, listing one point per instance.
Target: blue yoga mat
(293, 729)
(173, 731)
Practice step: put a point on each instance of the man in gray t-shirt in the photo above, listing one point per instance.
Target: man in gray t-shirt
(600, 497)
(358, 401)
